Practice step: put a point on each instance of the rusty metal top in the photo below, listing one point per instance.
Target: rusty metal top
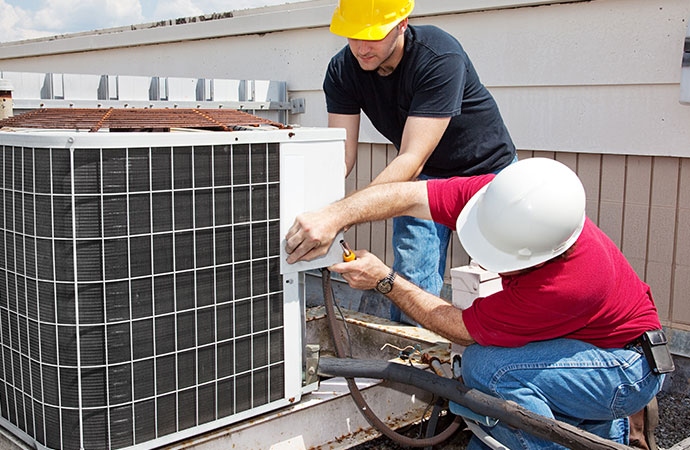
(136, 119)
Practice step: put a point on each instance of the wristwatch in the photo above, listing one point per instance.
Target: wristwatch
(385, 285)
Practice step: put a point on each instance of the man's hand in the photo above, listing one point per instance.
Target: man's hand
(310, 236)
(362, 273)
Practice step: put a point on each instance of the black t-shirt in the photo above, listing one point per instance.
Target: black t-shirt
(435, 78)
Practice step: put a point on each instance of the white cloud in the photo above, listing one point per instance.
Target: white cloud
(15, 23)
(173, 9)
(65, 16)
(70, 16)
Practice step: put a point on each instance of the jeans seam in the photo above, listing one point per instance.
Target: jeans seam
(614, 402)
(532, 366)
(519, 434)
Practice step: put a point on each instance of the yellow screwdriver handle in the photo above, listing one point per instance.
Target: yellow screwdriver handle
(348, 254)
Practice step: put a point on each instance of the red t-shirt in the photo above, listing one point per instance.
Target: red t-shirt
(593, 295)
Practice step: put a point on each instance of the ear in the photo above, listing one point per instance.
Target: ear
(403, 25)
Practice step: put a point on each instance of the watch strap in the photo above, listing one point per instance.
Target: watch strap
(385, 284)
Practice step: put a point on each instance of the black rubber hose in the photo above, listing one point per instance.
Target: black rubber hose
(510, 413)
(433, 420)
(368, 414)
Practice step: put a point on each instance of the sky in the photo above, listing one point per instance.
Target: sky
(28, 19)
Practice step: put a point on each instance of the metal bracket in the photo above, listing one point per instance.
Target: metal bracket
(297, 106)
(312, 357)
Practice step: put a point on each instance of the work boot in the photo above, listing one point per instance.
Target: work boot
(642, 426)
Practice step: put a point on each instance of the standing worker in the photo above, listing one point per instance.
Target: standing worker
(574, 333)
(419, 89)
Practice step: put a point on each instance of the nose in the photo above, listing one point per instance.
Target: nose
(364, 47)
(359, 47)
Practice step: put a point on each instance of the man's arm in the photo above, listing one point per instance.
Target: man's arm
(420, 137)
(351, 124)
(312, 233)
(431, 312)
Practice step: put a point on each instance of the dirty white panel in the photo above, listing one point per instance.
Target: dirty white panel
(226, 90)
(81, 87)
(592, 43)
(133, 88)
(182, 89)
(25, 85)
(312, 176)
(626, 120)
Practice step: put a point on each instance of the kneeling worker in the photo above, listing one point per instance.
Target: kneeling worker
(574, 334)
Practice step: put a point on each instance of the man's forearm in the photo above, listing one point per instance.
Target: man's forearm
(432, 312)
(402, 168)
(313, 232)
(380, 202)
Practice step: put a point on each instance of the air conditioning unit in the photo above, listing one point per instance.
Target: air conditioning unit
(144, 294)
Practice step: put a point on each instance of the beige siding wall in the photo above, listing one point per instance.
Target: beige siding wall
(641, 202)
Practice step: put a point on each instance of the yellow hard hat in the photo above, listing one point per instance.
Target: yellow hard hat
(369, 20)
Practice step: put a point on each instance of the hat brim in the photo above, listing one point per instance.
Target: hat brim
(370, 33)
(491, 258)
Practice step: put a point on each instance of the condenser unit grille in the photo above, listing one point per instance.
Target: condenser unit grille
(140, 290)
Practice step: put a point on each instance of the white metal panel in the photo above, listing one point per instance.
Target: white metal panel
(25, 85)
(57, 85)
(308, 172)
(63, 139)
(592, 43)
(182, 89)
(226, 90)
(133, 88)
(625, 120)
(81, 87)
(293, 344)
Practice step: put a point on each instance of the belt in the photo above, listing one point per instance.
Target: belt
(637, 342)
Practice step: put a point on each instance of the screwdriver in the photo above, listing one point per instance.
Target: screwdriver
(348, 254)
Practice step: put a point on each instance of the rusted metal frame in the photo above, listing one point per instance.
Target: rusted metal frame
(100, 122)
(210, 119)
(136, 119)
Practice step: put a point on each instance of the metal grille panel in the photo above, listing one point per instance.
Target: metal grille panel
(140, 292)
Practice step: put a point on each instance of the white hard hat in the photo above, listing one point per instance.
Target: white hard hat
(533, 211)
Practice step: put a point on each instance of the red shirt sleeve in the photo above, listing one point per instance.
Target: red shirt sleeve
(447, 196)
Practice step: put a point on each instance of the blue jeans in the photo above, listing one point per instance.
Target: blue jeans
(419, 250)
(592, 388)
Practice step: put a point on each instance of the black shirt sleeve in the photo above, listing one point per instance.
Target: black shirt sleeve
(338, 99)
(439, 88)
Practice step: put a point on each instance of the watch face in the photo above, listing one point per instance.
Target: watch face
(384, 286)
